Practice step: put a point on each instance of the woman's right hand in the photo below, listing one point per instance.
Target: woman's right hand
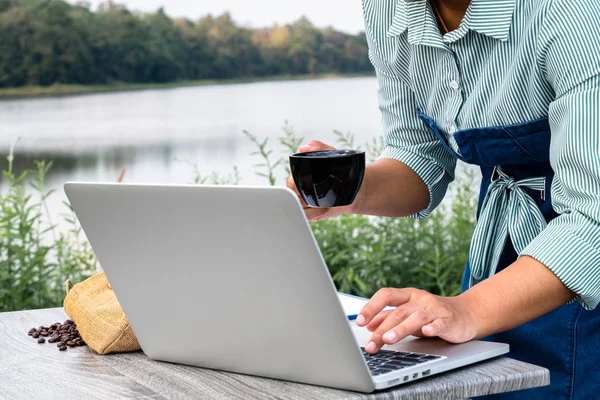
(314, 214)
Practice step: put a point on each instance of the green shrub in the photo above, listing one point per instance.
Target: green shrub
(363, 253)
(35, 260)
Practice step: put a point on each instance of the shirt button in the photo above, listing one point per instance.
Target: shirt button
(452, 129)
(454, 85)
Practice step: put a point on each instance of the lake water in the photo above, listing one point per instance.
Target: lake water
(92, 137)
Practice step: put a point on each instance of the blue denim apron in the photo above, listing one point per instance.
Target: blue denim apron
(567, 340)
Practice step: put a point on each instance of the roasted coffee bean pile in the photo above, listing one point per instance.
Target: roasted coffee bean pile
(65, 334)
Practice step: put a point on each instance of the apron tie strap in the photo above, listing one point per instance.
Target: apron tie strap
(507, 210)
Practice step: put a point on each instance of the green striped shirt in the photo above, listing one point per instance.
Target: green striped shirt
(509, 62)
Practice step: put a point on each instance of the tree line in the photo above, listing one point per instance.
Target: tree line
(43, 42)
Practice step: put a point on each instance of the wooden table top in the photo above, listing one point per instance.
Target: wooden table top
(30, 370)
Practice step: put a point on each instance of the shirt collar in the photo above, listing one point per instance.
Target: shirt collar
(489, 17)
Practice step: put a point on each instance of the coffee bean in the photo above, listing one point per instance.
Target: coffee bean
(64, 335)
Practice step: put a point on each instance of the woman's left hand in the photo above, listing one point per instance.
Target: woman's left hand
(417, 313)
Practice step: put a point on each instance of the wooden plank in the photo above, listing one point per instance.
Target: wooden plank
(29, 369)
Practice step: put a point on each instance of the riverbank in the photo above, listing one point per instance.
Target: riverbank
(74, 90)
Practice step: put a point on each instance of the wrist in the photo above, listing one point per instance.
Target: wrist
(466, 306)
(357, 206)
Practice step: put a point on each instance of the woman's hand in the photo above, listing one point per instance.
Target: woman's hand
(417, 313)
(314, 214)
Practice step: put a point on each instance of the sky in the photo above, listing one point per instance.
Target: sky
(344, 15)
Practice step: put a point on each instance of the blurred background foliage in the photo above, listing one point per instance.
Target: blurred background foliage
(35, 258)
(47, 42)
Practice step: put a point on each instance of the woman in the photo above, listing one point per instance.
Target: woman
(514, 87)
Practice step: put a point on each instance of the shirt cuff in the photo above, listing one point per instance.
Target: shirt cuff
(575, 261)
(435, 176)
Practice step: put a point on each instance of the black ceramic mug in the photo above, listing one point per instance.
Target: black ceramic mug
(328, 178)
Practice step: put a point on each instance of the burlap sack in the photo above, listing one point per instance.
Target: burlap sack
(94, 308)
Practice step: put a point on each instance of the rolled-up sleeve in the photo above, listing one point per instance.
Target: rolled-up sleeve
(570, 55)
(408, 141)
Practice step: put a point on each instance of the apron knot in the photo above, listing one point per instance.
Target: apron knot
(507, 210)
(510, 184)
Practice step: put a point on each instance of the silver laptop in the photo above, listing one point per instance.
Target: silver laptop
(231, 278)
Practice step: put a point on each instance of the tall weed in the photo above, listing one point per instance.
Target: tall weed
(35, 260)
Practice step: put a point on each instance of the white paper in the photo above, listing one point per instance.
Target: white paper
(352, 304)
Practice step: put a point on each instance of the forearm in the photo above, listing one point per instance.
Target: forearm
(391, 189)
(523, 291)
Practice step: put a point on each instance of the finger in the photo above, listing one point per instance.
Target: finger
(394, 317)
(377, 320)
(314, 214)
(413, 323)
(291, 184)
(435, 328)
(315, 145)
(380, 300)
(418, 334)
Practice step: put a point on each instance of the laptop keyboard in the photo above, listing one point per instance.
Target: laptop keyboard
(388, 361)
